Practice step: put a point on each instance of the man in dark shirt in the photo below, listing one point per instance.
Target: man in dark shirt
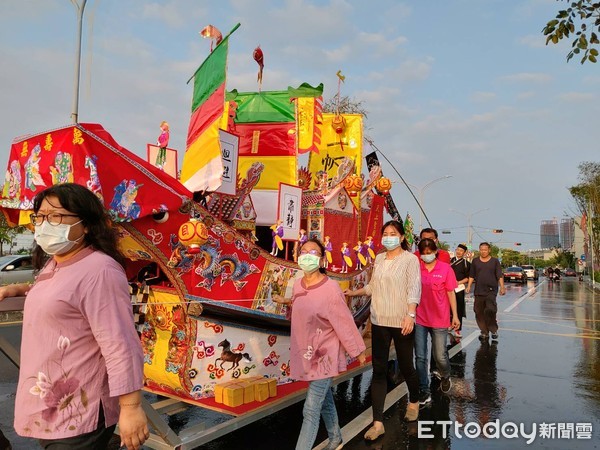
(487, 275)
(461, 268)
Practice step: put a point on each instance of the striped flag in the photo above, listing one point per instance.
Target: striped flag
(202, 165)
(409, 230)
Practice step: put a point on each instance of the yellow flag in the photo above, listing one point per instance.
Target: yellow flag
(335, 146)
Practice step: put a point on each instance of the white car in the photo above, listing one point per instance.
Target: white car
(532, 274)
(16, 269)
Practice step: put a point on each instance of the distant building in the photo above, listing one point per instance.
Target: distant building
(21, 241)
(542, 253)
(567, 233)
(549, 236)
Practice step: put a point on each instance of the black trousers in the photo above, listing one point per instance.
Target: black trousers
(380, 345)
(94, 440)
(460, 307)
(486, 308)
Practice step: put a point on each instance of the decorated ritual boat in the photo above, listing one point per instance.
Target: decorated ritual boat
(207, 252)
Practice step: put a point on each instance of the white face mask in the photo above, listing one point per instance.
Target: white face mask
(54, 239)
(429, 258)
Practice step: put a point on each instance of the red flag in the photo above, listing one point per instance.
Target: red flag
(260, 59)
(375, 221)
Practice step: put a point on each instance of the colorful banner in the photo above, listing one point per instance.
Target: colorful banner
(267, 139)
(373, 160)
(277, 169)
(202, 167)
(334, 146)
(290, 206)
(375, 221)
(409, 228)
(229, 157)
(309, 114)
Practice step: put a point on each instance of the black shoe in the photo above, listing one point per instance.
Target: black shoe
(483, 337)
(424, 399)
(446, 385)
(495, 336)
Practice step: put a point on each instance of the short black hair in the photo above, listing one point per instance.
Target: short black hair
(429, 230)
(427, 244)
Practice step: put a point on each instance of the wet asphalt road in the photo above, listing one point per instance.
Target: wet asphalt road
(542, 375)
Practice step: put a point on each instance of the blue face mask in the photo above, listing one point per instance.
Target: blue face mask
(390, 242)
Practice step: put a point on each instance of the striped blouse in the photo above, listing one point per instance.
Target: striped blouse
(394, 284)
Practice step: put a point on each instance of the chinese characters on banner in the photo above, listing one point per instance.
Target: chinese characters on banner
(289, 208)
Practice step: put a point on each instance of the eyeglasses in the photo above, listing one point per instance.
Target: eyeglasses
(53, 219)
(312, 252)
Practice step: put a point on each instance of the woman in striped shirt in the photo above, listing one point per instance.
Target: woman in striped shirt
(395, 290)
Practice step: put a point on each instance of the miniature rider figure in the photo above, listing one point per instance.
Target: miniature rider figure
(346, 259)
(328, 249)
(162, 142)
(302, 238)
(364, 254)
(360, 257)
(277, 233)
(370, 249)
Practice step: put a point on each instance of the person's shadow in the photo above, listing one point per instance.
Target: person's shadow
(489, 395)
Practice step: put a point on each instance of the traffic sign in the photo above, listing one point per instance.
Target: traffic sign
(580, 262)
(582, 257)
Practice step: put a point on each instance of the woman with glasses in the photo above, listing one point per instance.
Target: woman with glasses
(81, 360)
(323, 331)
(395, 290)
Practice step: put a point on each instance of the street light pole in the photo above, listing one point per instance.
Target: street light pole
(421, 191)
(469, 228)
(80, 8)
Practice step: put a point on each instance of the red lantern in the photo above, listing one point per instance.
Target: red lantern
(193, 234)
(384, 185)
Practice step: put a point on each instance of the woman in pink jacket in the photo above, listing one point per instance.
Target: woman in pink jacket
(323, 331)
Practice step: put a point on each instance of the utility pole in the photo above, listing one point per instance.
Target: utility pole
(80, 9)
(591, 228)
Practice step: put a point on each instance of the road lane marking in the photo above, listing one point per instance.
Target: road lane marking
(529, 293)
(582, 336)
(364, 419)
(463, 344)
(546, 322)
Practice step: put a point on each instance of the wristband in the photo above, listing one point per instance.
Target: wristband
(130, 404)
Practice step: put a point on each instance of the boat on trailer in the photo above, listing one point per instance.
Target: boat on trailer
(204, 265)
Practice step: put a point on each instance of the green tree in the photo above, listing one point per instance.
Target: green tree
(563, 259)
(7, 233)
(581, 22)
(443, 245)
(511, 257)
(587, 198)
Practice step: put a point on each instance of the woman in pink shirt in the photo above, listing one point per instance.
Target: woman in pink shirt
(81, 359)
(323, 331)
(433, 317)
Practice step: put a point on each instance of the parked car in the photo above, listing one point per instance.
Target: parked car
(569, 272)
(516, 274)
(16, 269)
(532, 274)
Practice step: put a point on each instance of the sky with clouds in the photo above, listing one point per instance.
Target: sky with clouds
(458, 87)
